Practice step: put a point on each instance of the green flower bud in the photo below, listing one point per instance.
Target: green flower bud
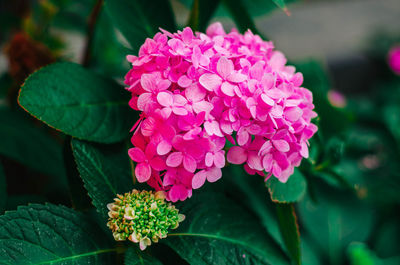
(142, 217)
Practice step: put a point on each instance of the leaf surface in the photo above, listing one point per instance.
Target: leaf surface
(289, 230)
(218, 231)
(50, 234)
(105, 171)
(78, 102)
(138, 19)
(30, 145)
(291, 191)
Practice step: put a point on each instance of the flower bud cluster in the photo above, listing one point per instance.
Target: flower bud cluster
(142, 217)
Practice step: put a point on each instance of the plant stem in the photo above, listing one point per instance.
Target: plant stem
(90, 32)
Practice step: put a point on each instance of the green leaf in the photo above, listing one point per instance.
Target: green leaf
(332, 121)
(50, 234)
(78, 102)
(254, 195)
(254, 7)
(134, 256)
(289, 230)
(219, 231)
(241, 16)
(29, 144)
(3, 189)
(105, 170)
(79, 198)
(335, 220)
(108, 55)
(280, 3)
(139, 19)
(201, 13)
(392, 120)
(359, 254)
(291, 191)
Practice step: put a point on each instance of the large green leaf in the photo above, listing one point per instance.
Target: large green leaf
(105, 170)
(332, 121)
(283, 229)
(335, 220)
(140, 19)
(391, 118)
(218, 231)
(108, 55)
(240, 15)
(360, 254)
(30, 145)
(74, 100)
(134, 256)
(201, 13)
(252, 192)
(280, 3)
(253, 7)
(50, 234)
(289, 230)
(291, 191)
(3, 189)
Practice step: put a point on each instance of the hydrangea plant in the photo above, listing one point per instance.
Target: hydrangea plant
(189, 144)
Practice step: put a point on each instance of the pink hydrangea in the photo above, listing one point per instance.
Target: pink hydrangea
(196, 91)
(394, 59)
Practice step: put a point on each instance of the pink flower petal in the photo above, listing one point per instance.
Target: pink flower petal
(214, 174)
(304, 150)
(210, 81)
(267, 100)
(143, 100)
(281, 145)
(181, 111)
(293, 114)
(237, 155)
(189, 163)
(165, 99)
(242, 136)
(224, 67)
(177, 192)
(174, 159)
(228, 89)
(209, 159)
(201, 106)
(187, 35)
(237, 78)
(164, 147)
(157, 163)
(198, 179)
(147, 81)
(267, 162)
(219, 159)
(254, 161)
(143, 172)
(184, 81)
(136, 154)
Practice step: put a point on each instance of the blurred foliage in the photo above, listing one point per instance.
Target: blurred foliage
(343, 201)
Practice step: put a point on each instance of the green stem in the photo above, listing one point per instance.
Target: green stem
(90, 32)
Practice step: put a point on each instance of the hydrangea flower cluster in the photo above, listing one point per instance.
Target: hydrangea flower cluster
(196, 91)
(394, 59)
(142, 217)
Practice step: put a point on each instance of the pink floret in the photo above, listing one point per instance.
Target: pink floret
(196, 91)
(394, 59)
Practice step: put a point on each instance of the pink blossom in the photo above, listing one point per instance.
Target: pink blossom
(394, 59)
(337, 99)
(196, 91)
